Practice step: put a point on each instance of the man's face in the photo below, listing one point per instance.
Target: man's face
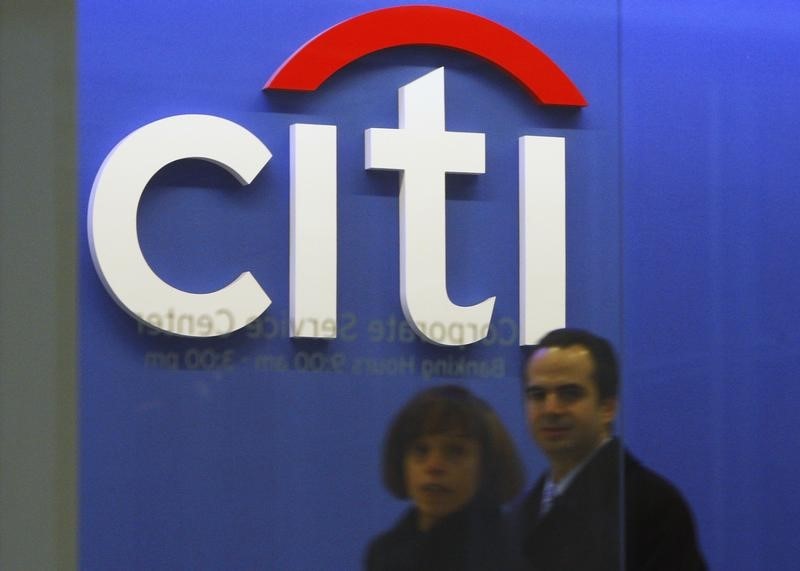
(442, 474)
(565, 414)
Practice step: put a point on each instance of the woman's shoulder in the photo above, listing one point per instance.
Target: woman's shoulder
(474, 538)
(387, 550)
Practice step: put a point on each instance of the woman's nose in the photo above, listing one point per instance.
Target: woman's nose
(435, 463)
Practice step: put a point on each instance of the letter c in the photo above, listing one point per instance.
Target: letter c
(114, 201)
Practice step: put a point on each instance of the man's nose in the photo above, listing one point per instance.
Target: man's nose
(552, 404)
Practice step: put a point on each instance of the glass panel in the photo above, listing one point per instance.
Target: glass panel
(255, 449)
(710, 234)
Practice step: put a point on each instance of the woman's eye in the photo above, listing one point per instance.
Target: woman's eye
(455, 451)
(419, 450)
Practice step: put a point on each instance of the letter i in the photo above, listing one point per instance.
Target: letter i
(542, 237)
(313, 228)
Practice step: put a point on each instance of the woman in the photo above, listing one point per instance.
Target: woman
(449, 453)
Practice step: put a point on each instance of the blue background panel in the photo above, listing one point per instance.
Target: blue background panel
(710, 237)
(682, 179)
(254, 450)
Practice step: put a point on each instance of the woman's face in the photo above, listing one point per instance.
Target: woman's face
(442, 474)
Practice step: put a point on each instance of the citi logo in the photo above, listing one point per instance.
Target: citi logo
(421, 149)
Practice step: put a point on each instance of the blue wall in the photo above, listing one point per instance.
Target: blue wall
(710, 236)
(681, 226)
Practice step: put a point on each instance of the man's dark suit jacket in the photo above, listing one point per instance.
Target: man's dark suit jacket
(583, 530)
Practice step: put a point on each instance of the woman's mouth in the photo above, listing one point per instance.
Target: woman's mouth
(434, 489)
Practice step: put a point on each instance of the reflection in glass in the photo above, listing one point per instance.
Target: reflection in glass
(450, 455)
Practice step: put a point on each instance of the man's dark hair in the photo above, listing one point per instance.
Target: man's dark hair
(606, 370)
(450, 407)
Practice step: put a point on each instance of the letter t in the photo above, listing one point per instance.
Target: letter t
(423, 151)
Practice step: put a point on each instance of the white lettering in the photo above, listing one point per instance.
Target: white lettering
(114, 201)
(312, 244)
(424, 152)
(542, 237)
(421, 149)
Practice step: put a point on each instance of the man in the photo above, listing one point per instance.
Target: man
(571, 521)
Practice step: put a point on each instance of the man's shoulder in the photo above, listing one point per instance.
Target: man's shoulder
(659, 521)
(651, 498)
(642, 481)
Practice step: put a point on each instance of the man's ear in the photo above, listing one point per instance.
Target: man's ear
(608, 408)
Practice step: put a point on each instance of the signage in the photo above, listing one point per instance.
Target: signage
(421, 149)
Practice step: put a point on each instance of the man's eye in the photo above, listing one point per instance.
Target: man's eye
(570, 393)
(536, 394)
